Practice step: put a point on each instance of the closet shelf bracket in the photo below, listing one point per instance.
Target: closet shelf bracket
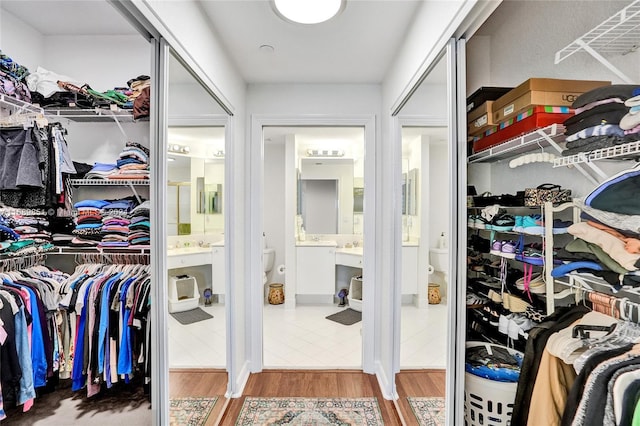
(578, 167)
(617, 35)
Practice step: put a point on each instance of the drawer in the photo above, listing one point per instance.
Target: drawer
(187, 260)
(346, 259)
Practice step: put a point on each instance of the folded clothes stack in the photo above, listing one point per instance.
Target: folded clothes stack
(139, 228)
(132, 163)
(115, 223)
(605, 117)
(88, 232)
(101, 171)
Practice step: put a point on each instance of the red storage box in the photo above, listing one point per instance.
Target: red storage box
(525, 122)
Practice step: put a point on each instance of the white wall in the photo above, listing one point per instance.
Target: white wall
(274, 199)
(191, 99)
(524, 36)
(23, 43)
(439, 217)
(103, 62)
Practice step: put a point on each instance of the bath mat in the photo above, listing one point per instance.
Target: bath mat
(189, 317)
(347, 317)
(428, 411)
(310, 411)
(190, 411)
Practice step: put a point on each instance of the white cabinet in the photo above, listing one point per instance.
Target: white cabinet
(218, 270)
(315, 271)
(409, 270)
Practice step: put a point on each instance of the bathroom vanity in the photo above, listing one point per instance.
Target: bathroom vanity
(322, 268)
(206, 263)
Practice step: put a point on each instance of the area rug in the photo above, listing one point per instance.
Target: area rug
(189, 317)
(190, 411)
(310, 411)
(428, 411)
(347, 317)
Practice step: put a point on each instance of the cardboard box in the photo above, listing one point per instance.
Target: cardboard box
(541, 91)
(484, 94)
(480, 119)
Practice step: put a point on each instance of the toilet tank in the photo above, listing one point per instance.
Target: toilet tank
(439, 258)
(268, 257)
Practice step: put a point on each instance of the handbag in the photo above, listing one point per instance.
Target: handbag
(547, 192)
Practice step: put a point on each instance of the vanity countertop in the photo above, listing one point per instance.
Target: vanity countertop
(350, 250)
(182, 251)
(319, 243)
(411, 243)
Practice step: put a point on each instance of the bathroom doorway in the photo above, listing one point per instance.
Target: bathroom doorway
(315, 261)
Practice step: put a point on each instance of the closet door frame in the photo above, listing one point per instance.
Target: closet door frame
(456, 314)
(256, 207)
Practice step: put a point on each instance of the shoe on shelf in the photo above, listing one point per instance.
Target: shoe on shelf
(561, 226)
(496, 247)
(504, 222)
(532, 225)
(508, 250)
(481, 223)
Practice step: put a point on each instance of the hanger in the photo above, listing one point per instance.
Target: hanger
(540, 157)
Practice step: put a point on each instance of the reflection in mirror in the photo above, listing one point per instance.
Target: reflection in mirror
(313, 192)
(195, 227)
(425, 222)
(198, 177)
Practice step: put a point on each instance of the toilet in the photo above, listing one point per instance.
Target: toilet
(439, 260)
(268, 257)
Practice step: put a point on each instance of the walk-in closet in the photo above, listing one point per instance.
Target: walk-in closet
(75, 215)
(551, 275)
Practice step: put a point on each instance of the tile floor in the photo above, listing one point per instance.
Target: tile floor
(303, 338)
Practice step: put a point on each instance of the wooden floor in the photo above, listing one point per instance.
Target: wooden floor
(418, 383)
(308, 383)
(200, 382)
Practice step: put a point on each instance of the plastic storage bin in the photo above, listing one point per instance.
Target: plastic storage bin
(183, 293)
(355, 294)
(488, 402)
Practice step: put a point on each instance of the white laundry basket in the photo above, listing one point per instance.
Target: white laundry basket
(183, 293)
(488, 402)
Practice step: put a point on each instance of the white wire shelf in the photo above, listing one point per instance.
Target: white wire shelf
(18, 106)
(99, 250)
(620, 34)
(537, 139)
(109, 182)
(91, 115)
(631, 149)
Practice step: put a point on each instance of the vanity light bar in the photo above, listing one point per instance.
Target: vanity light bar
(182, 149)
(325, 153)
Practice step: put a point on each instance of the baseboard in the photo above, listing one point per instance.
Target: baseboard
(314, 299)
(386, 386)
(243, 377)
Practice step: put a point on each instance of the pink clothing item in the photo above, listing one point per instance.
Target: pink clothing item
(613, 246)
(596, 103)
(631, 245)
(632, 131)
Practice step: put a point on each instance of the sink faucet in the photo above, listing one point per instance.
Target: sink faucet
(200, 243)
(316, 238)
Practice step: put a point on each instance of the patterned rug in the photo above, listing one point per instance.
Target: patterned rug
(190, 411)
(310, 411)
(428, 411)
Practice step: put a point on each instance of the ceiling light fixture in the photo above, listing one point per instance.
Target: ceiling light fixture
(325, 153)
(308, 11)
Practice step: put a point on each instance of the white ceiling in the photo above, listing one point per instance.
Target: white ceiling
(96, 17)
(357, 46)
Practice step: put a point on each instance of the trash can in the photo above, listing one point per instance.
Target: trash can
(276, 294)
(434, 294)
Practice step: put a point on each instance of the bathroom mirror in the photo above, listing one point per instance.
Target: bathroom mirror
(195, 173)
(330, 171)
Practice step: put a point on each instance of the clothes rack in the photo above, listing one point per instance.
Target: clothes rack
(24, 262)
